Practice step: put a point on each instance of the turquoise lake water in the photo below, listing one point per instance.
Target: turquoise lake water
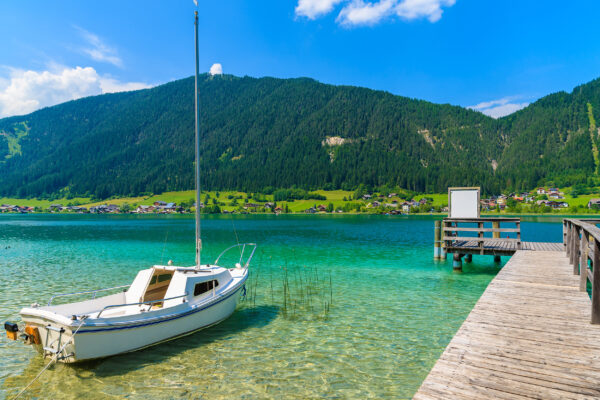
(375, 313)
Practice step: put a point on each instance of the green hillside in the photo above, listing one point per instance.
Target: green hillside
(281, 133)
(551, 140)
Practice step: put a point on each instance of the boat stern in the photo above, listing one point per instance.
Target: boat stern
(48, 334)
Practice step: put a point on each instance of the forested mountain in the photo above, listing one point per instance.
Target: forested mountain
(281, 133)
(554, 138)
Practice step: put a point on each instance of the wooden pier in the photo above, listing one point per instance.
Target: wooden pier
(534, 333)
(499, 247)
(484, 236)
(467, 236)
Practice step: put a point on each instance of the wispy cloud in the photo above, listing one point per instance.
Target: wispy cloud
(415, 9)
(24, 91)
(500, 107)
(315, 8)
(361, 12)
(98, 50)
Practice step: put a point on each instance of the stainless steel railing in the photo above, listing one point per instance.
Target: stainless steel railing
(243, 246)
(140, 303)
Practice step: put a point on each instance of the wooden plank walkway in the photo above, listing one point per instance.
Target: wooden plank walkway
(500, 247)
(528, 337)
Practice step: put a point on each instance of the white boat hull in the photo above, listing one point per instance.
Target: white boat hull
(115, 340)
(88, 339)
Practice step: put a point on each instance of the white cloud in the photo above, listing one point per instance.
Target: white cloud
(315, 8)
(110, 85)
(98, 50)
(415, 9)
(216, 69)
(361, 12)
(500, 107)
(23, 91)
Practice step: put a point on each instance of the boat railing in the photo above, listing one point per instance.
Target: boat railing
(140, 303)
(86, 292)
(242, 251)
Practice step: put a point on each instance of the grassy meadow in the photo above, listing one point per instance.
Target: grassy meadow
(232, 200)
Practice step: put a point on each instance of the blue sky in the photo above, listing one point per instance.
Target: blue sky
(497, 55)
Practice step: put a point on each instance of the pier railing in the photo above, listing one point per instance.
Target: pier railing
(581, 240)
(464, 230)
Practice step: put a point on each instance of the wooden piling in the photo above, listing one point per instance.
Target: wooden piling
(437, 241)
(596, 284)
(496, 234)
(583, 262)
(457, 262)
(576, 252)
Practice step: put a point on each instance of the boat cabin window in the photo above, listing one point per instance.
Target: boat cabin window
(204, 287)
(158, 285)
(160, 278)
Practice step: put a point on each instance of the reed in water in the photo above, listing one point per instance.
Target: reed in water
(299, 291)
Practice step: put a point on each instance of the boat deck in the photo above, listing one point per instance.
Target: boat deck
(528, 336)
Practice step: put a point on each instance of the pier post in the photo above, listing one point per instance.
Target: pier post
(583, 262)
(437, 241)
(574, 249)
(442, 234)
(565, 234)
(596, 284)
(468, 258)
(457, 263)
(496, 225)
(577, 255)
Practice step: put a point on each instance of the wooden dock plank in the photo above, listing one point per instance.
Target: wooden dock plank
(499, 246)
(528, 336)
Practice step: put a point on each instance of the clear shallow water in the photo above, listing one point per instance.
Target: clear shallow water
(394, 309)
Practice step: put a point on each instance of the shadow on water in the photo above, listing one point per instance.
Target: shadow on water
(480, 266)
(242, 319)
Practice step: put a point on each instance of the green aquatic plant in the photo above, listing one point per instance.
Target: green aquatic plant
(303, 292)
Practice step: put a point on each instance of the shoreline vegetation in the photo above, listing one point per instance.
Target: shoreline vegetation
(363, 200)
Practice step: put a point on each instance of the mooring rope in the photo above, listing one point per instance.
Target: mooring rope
(55, 359)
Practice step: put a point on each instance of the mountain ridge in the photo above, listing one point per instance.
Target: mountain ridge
(270, 132)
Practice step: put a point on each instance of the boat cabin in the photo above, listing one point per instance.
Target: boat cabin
(175, 285)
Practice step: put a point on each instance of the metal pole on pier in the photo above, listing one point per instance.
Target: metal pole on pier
(197, 101)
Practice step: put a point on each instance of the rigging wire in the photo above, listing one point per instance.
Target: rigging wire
(164, 247)
(236, 236)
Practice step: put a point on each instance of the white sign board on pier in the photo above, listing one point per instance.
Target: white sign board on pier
(463, 202)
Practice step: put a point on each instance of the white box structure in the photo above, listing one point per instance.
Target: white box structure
(463, 202)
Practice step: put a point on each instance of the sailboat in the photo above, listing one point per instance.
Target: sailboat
(162, 303)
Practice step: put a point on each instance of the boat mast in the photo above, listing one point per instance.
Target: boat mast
(197, 101)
